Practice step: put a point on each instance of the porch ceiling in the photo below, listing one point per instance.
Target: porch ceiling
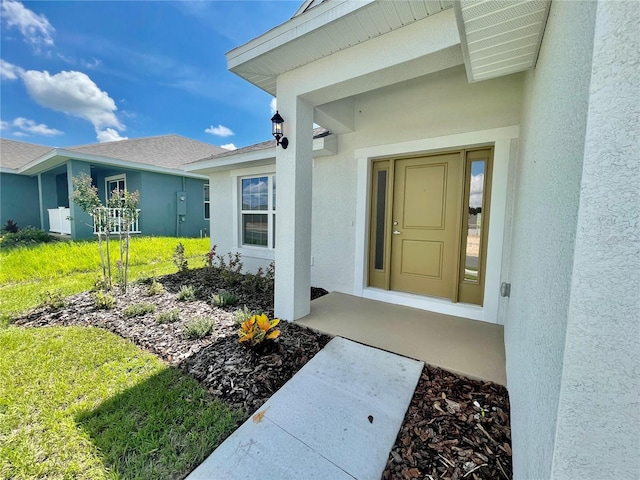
(326, 29)
(500, 37)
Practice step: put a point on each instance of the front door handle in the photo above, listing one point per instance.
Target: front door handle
(396, 232)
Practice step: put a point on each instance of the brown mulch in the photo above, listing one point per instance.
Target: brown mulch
(443, 436)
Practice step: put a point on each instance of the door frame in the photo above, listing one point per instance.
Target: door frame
(504, 141)
(383, 245)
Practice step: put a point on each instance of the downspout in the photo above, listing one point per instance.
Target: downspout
(184, 186)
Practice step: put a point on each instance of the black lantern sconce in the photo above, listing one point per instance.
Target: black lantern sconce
(276, 128)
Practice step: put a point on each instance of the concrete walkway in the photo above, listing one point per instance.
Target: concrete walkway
(337, 418)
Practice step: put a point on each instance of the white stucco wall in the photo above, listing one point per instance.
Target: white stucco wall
(443, 103)
(542, 249)
(334, 210)
(598, 430)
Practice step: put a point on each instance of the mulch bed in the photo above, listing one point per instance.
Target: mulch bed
(443, 436)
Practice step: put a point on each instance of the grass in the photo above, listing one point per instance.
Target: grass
(73, 267)
(84, 403)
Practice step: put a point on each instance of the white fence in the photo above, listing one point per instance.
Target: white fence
(113, 219)
(59, 221)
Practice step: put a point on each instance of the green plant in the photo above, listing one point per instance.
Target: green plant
(170, 316)
(138, 309)
(186, 293)
(26, 237)
(53, 299)
(155, 288)
(180, 259)
(242, 315)
(223, 298)
(210, 256)
(10, 227)
(258, 329)
(104, 301)
(198, 327)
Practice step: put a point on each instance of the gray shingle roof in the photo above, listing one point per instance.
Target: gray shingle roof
(171, 151)
(14, 154)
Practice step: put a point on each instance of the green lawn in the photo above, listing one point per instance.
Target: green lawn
(83, 403)
(73, 267)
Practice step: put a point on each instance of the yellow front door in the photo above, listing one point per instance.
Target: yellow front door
(425, 237)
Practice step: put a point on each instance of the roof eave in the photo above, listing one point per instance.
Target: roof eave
(322, 146)
(59, 156)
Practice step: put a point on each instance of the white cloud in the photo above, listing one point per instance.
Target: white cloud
(31, 126)
(475, 192)
(273, 105)
(219, 131)
(9, 71)
(109, 135)
(36, 29)
(228, 146)
(73, 93)
(4, 125)
(20, 134)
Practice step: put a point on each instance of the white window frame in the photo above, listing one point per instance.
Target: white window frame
(107, 192)
(205, 201)
(267, 253)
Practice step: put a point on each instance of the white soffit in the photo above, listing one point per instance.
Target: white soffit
(500, 37)
(327, 28)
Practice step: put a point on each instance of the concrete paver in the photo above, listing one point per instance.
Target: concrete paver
(338, 417)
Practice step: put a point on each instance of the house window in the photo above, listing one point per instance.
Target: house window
(258, 211)
(117, 182)
(207, 204)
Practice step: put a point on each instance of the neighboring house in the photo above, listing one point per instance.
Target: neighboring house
(528, 110)
(36, 183)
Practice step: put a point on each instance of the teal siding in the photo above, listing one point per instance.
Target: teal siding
(159, 201)
(27, 199)
(19, 200)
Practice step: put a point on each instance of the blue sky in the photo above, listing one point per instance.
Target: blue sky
(77, 72)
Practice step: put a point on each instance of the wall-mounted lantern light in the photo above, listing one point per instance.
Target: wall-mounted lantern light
(276, 128)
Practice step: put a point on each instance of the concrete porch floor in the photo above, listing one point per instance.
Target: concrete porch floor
(468, 347)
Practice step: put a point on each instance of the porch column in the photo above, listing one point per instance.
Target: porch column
(48, 197)
(81, 223)
(293, 218)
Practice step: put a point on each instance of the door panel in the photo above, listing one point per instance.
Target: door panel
(426, 225)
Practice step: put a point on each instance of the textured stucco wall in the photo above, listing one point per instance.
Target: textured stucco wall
(542, 248)
(443, 103)
(334, 214)
(19, 200)
(598, 430)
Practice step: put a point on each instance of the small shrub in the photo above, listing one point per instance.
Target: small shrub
(104, 301)
(257, 330)
(210, 256)
(25, 237)
(138, 309)
(169, 316)
(155, 288)
(180, 259)
(199, 327)
(100, 285)
(242, 315)
(231, 270)
(223, 298)
(10, 227)
(186, 293)
(53, 300)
